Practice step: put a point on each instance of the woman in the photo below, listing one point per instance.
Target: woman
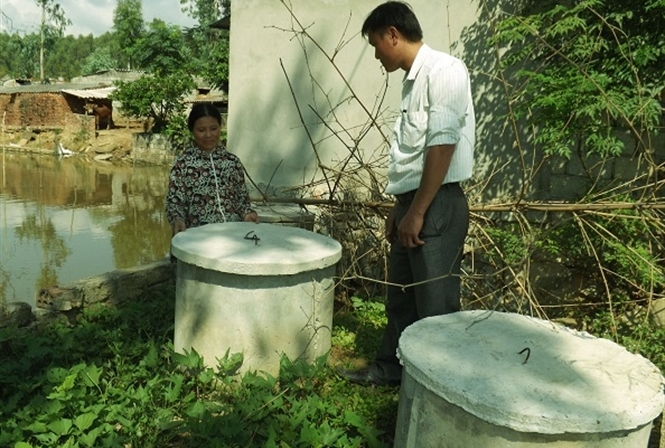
(207, 183)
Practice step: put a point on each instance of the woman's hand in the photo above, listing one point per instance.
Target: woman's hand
(251, 217)
(178, 226)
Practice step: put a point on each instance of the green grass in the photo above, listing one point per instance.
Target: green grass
(112, 379)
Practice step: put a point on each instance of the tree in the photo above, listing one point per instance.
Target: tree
(586, 68)
(19, 56)
(213, 47)
(158, 97)
(161, 49)
(211, 43)
(100, 59)
(206, 11)
(52, 25)
(66, 56)
(129, 28)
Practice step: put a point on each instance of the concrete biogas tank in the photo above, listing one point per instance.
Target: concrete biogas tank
(487, 379)
(262, 290)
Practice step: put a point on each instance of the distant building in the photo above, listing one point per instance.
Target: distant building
(50, 105)
(59, 105)
(106, 77)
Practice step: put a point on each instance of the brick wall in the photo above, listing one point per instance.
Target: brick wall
(572, 179)
(37, 110)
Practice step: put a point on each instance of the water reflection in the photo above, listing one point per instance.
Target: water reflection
(65, 219)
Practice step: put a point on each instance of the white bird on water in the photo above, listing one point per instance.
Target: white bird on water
(62, 151)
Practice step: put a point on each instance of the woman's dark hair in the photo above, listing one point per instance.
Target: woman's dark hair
(203, 110)
(397, 14)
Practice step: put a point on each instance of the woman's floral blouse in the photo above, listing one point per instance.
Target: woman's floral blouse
(193, 193)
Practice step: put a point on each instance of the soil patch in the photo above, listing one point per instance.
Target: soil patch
(115, 143)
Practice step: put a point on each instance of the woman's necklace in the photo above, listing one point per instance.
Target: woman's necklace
(214, 174)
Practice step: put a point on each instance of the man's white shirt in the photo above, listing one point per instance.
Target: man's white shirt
(436, 109)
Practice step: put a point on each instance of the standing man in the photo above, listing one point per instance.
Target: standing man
(431, 154)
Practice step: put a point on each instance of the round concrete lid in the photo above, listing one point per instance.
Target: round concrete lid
(279, 250)
(531, 375)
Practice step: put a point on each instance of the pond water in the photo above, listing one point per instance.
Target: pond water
(63, 219)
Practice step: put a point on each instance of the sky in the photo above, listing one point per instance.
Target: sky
(87, 16)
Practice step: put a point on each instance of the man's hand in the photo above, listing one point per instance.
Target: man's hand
(391, 227)
(409, 228)
(436, 166)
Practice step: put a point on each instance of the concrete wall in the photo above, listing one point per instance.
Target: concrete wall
(114, 287)
(152, 148)
(587, 174)
(277, 76)
(282, 88)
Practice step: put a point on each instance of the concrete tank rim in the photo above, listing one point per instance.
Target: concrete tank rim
(476, 392)
(281, 250)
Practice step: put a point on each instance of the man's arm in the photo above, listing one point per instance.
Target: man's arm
(437, 163)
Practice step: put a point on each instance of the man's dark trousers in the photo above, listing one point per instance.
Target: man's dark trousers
(433, 269)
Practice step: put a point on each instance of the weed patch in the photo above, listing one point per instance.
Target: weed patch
(114, 380)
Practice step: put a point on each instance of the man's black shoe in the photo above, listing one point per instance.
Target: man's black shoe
(367, 377)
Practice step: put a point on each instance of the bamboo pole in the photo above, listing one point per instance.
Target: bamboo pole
(480, 208)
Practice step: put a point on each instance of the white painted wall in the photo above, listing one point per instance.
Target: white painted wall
(265, 127)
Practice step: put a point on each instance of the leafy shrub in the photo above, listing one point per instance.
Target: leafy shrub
(112, 380)
(624, 246)
(585, 68)
(158, 97)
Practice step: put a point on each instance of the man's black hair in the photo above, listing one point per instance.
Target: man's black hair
(397, 14)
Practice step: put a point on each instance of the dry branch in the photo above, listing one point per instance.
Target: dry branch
(496, 274)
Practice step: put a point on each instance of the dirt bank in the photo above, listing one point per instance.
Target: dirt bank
(106, 144)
